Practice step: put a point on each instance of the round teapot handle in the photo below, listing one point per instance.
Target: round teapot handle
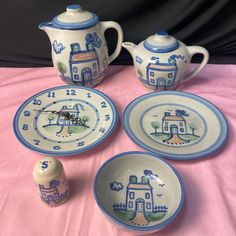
(197, 50)
(111, 24)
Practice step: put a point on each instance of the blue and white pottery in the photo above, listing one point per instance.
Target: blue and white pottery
(175, 125)
(161, 61)
(65, 120)
(79, 48)
(139, 191)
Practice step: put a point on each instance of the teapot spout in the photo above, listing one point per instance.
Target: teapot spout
(48, 28)
(130, 47)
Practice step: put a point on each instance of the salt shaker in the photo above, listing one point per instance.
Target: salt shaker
(49, 175)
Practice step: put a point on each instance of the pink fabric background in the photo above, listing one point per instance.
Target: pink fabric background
(210, 204)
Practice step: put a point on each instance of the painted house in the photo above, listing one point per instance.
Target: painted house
(139, 195)
(50, 194)
(173, 124)
(72, 111)
(161, 74)
(84, 64)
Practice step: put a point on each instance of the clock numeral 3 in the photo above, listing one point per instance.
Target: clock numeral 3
(107, 117)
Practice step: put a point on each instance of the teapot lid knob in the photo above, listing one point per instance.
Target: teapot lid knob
(161, 42)
(73, 8)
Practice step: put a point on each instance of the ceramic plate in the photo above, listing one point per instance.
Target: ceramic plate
(139, 191)
(175, 125)
(65, 120)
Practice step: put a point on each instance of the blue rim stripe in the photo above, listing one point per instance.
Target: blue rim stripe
(220, 143)
(77, 25)
(67, 153)
(163, 49)
(138, 228)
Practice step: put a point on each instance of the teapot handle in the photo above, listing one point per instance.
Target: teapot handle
(196, 50)
(111, 24)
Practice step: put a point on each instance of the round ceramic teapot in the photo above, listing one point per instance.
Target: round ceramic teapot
(79, 48)
(161, 61)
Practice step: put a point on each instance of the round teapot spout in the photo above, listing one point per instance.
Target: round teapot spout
(46, 26)
(130, 47)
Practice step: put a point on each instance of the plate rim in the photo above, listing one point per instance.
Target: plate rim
(66, 153)
(213, 148)
(135, 228)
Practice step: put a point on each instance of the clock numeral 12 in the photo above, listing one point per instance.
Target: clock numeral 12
(70, 92)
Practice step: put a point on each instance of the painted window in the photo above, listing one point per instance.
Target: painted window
(130, 204)
(166, 123)
(181, 130)
(95, 73)
(169, 81)
(148, 205)
(76, 77)
(152, 81)
(170, 75)
(75, 69)
(151, 73)
(76, 48)
(94, 66)
(180, 123)
(147, 195)
(166, 128)
(131, 195)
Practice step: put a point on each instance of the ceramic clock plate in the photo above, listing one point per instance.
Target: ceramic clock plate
(175, 125)
(65, 120)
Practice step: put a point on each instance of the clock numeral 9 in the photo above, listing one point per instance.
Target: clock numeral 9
(25, 127)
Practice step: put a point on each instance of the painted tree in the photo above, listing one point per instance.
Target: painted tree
(155, 125)
(61, 67)
(140, 73)
(193, 127)
(85, 119)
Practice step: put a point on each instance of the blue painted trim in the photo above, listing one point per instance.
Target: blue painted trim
(73, 7)
(138, 228)
(68, 153)
(161, 49)
(162, 33)
(77, 25)
(223, 137)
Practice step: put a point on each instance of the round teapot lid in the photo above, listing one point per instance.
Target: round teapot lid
(75, 18)
(161, 42)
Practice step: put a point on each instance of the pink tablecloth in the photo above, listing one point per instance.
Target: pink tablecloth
(210, 183)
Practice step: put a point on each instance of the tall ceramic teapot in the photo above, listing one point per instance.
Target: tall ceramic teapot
(79, 48)
(161, 61)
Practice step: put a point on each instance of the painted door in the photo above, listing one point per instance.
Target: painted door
(140, 205)
(174, 129)
(86, 75)
(161, 82)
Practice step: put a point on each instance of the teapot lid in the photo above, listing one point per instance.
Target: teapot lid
(161, 42)
(75, 18)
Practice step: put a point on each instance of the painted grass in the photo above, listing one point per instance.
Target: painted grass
(151, 216)
(52, 129)
(125, 215)
(77, 129)
(160, 136)
(188, 137)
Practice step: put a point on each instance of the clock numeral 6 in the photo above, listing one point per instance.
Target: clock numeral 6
(80, 144)
(57, 147)
(102, 130)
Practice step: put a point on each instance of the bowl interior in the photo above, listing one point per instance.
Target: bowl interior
(138, 191)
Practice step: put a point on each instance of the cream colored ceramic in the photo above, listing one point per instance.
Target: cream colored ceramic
(138, 191)
(161, 61)
(50, 178)
(79, 48)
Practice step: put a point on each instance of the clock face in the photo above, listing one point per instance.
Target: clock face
(65, 120)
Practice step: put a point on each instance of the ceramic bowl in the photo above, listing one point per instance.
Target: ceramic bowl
(139, 191)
